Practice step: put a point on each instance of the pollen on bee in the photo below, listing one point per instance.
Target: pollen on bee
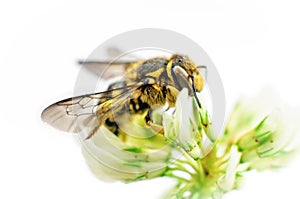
(130, 106)
(199, 83)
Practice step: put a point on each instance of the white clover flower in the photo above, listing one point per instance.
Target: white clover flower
(111, 159)
(262, 131)
(263, 146)
(257, 136)
(188, 127)
(227, 182)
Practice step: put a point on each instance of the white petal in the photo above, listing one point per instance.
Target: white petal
(187, 127)
(108, 160)
(228, 182)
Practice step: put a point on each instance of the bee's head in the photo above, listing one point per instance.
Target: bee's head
(186, 75)
(186, 68)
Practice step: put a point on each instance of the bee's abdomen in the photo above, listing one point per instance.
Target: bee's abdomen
(142, 101)
(137, 105)
(112, 126)
(134, 106)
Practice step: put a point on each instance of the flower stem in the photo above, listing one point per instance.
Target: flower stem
(200, 171)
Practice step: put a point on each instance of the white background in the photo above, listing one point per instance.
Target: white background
(252, 43)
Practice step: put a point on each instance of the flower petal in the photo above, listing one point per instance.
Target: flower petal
(111, 159)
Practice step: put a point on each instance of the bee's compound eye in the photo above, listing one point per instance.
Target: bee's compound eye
(198, 82)
(180, 60)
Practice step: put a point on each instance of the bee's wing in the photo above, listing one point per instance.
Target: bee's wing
(111, 67)
(113, 52)
(106, 69)
(74, 114)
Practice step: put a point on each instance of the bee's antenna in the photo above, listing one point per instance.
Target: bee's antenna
(194, 91)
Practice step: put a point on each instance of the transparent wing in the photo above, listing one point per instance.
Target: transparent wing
(108, 68)
(74, 114)
(113, 52)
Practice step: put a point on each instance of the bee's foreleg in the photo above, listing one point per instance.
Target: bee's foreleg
(171, 95)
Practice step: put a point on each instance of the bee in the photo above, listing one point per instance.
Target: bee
(147, 84)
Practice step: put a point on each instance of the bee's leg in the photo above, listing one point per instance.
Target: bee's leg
(148, 97)
(155, 127)
(171, 95)
(113, 127)
(148, 116)
(148, 120)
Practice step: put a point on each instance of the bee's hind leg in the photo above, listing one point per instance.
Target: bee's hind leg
(155, 127)
(148, 117)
